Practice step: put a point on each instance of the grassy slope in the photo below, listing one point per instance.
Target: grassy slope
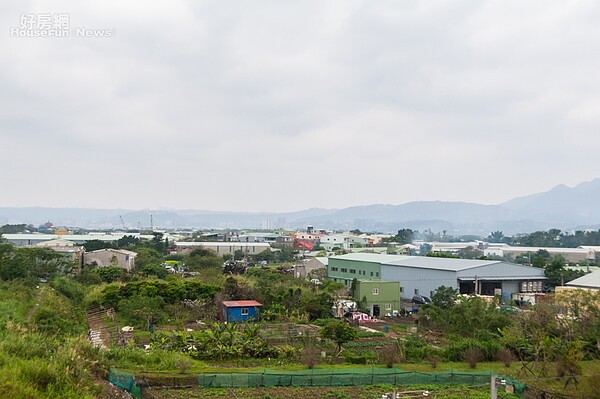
(41, 365)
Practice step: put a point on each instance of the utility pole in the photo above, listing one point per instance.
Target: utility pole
(493, 390)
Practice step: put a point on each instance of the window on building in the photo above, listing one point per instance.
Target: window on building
(430, 294)
(376, 274)
(352, 271)
(401, 289)
(375, 291)
(244, 311)
(388, 306)
(416, 291)
(344, 270)
(371, 274)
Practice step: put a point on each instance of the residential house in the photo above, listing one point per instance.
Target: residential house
(304, 241)
(304, 266)
(110, 257)
(338, 241)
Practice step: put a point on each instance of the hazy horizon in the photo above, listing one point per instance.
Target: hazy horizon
(279, 107)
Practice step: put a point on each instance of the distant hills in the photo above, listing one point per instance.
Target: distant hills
(561, 207)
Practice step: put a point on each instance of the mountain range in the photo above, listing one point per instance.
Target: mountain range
(562, 207)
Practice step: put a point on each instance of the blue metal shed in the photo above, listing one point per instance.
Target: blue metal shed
(240, 311)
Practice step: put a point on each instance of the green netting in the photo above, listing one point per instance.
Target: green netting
(124, 381)
(345, 377)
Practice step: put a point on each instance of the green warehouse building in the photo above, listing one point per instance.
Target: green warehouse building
(421, 275)
(379, 297)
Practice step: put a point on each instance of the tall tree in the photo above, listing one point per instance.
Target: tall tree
(340, 332)
(405, 236)
(496, 236)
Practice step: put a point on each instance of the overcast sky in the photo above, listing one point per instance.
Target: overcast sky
(280, 106)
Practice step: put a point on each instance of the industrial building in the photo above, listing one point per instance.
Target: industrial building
(421, 275)
(590, 281)
(222, 248)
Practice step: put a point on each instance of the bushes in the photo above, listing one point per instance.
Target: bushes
(389, 355)
(506, 357)
(137, 358)
(40, 374)
(416, 348)
(469, 317)
(52, 321)
(69, 288)
(170, 291)
(26, 346)
(356, 358)
(472, 356)
(310, 356)
(454, 352)
(222, 342)
(33, 365)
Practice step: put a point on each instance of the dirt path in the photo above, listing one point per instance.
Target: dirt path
(34, 308)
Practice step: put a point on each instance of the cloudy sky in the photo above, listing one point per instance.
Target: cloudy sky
(280, 106)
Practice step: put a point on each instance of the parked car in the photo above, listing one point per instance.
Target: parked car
(420, 300)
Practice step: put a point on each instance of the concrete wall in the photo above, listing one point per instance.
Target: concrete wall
(110, 257)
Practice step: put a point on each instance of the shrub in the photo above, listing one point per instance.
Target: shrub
(183, 364)
(69, 288)
(354, 358)
(370, 334)
(389, 355)
(416, 348)
(472, 356)
(310, 356)
(505, 356)
(286, 352)
(455, 351)
(433, 360)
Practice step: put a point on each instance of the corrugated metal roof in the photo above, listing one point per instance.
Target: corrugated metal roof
(121, 251)
(427, 262)
(323, 260)
(241, 304)
(579, 250)
(591, 280)
(220, 244)
(367, 257)
(68, 237)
